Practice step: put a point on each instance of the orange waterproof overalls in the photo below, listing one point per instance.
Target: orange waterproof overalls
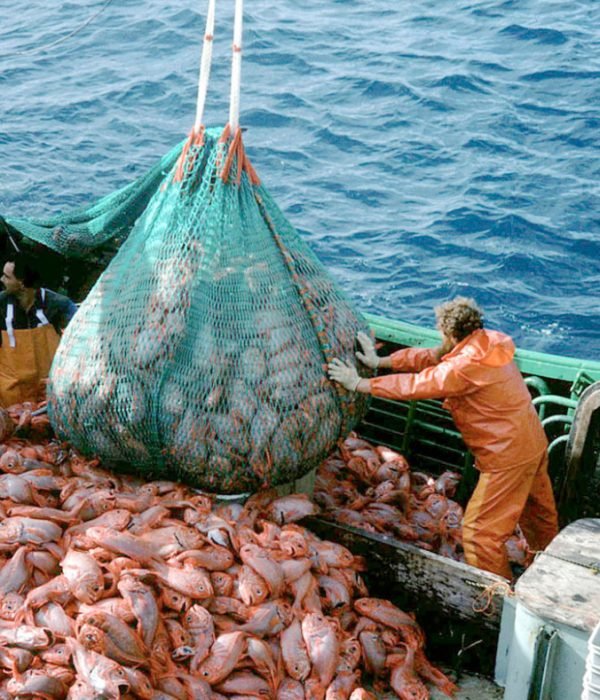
(25, 358)
(491, 406)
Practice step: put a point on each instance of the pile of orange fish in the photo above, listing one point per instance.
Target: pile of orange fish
(373, 488)
(21, 420)
(111, 587)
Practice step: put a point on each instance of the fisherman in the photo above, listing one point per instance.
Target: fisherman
(474, 371)
(31, 321)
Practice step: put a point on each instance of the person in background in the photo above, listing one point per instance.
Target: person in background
(474, 371)
(31, 321)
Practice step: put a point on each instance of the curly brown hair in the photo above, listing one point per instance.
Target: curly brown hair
(459, 317)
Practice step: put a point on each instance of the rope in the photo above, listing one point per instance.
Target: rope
(187, 159)
(236, 67)
(485, 604)
(64, 38)
(236, 151)
(205, 64)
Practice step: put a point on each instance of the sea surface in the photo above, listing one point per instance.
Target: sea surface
(425, 149)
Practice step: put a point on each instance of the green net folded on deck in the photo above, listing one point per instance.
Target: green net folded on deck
(200, 353)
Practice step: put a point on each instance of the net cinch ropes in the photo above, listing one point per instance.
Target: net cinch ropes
(200, 353)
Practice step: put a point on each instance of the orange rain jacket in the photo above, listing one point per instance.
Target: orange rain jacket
(484, 391)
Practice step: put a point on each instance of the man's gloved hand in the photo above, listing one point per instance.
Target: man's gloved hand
(368, 356)
(344, 374)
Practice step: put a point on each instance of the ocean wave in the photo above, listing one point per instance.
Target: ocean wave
(422, 152)
(461, 83)
(541, 35)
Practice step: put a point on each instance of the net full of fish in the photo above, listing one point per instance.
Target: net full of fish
(111, 588)
(201, 351)
(373, 488)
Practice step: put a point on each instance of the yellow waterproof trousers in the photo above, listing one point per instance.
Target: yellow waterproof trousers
(502, 499)
(23, 366)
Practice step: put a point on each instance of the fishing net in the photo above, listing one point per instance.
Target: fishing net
(200, 353)
(78, 232)
(76, 246)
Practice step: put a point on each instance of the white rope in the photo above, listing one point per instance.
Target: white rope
(236, 68)
(205, 64)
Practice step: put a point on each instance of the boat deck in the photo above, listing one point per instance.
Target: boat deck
(471, 687)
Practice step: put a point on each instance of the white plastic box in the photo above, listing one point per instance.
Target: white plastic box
(549, 645)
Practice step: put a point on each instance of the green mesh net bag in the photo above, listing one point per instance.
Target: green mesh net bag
(200, 354)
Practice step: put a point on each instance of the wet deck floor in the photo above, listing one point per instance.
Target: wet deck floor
(472, 687)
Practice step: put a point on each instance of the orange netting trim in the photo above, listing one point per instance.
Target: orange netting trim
(185, 164)
(237, 152)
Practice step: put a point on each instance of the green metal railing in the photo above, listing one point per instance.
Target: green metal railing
(542, 365)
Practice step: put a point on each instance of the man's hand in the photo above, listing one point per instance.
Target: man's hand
(368, 356)
(344, 374)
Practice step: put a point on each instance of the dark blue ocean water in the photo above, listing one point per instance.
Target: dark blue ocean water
(425, 149)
